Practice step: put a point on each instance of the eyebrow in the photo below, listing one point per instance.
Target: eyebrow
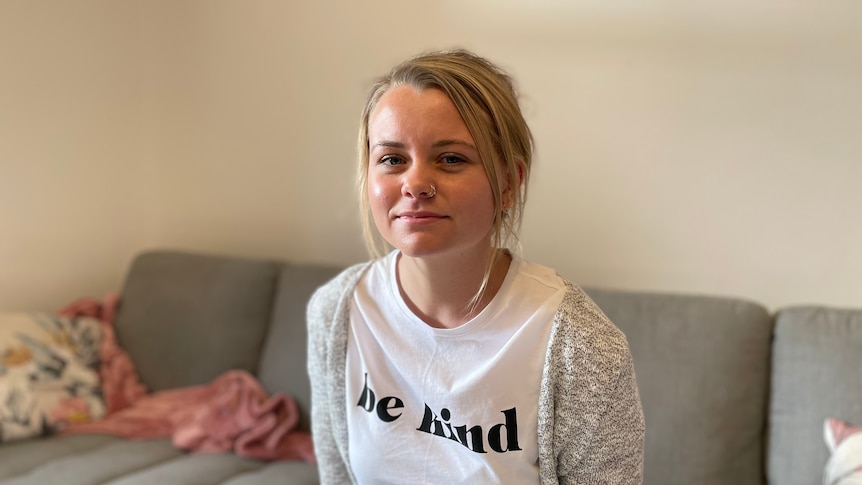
(436, 144)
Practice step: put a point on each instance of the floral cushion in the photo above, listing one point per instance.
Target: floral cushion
(48, 373)
(845, 445)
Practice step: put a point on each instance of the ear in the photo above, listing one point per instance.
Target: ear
(508, 197)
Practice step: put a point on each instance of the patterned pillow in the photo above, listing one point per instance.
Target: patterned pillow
(48, 373)
(845, 444)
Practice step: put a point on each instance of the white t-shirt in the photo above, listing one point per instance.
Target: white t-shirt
(430, 405)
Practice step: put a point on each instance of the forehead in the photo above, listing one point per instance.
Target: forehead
(408, 112)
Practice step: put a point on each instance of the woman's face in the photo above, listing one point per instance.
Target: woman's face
(427, 188)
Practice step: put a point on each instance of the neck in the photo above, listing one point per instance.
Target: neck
(441, 290)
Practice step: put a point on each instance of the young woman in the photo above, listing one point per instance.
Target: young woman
(450, 359)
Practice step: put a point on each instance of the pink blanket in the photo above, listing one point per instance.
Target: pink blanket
(120, 384)
(231, 414)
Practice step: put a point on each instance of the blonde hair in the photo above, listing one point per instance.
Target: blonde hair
(485, 97)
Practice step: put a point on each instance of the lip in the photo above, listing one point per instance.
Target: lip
(419, 217)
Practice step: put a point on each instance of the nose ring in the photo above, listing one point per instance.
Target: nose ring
(433, 191)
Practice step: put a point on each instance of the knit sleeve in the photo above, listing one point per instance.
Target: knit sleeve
(327, 320)
(591, 423)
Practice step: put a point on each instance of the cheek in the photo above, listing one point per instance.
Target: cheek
(490, 214)
(379, 196)
(483, 202)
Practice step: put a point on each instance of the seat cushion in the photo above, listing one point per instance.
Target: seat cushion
(102, 459)
(816, 374)
(702, 367)
(78, 460)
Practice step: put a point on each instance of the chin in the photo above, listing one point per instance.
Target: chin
(418, 252)
(415, 249)
(431, 251)
(417, 245)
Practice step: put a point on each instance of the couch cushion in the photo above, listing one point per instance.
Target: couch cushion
(283, 362)
(102, 459)
(219, 469)
(186, 318)
(702, 368)
(816, 374)
(287, 473)
(21, 457)
(79, 460)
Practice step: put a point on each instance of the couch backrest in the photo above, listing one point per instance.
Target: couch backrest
(702, 368)
(816, 374)
(283, 360)
(187, 318)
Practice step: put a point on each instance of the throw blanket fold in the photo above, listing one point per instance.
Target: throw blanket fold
(120, 384)
(231, 414)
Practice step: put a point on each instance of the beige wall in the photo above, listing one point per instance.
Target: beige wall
(710, 148)
(70, 169)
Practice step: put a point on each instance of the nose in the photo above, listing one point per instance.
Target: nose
(417, 184)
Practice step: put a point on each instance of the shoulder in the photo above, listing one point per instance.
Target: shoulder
(580, 325)
(328, 295)
(327, 307)
(587, 354)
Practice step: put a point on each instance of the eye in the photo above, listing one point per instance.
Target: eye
(391, 160)
(452, 159)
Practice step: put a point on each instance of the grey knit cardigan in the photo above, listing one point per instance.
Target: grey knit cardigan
(591, 427)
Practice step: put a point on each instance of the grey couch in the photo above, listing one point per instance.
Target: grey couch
(732, 394)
